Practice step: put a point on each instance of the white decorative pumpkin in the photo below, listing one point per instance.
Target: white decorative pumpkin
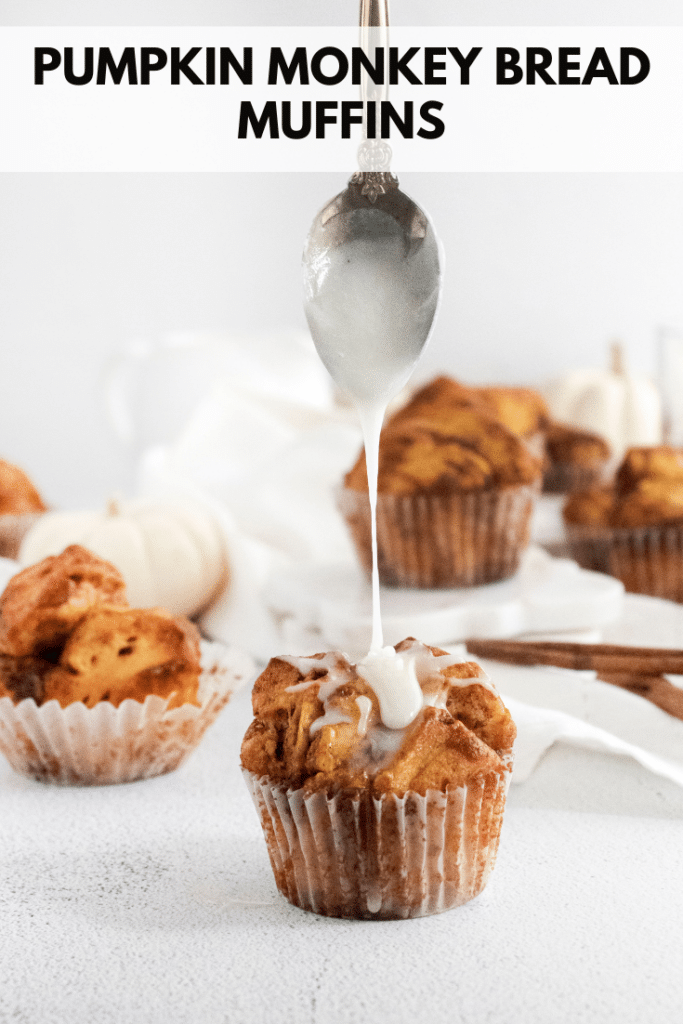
(623, 407)
(170, 555)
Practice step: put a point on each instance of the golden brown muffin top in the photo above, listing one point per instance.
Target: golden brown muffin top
(591, 507)
(521, 410)
(661, 463)
(570, 446)
(17, 493)
(440, 395)
(67, 634)
(648, 491)
(42, 604)
(464, 449)
(317, 723)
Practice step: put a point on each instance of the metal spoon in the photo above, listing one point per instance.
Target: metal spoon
(371, 266)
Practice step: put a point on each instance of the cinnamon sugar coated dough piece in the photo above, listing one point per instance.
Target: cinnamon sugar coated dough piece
(521, 410)
(17, 493)
(43, 603)
(116, 653)
(663, 463)
(440, 394)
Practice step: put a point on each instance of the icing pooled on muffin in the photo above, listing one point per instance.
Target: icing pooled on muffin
(417, 719)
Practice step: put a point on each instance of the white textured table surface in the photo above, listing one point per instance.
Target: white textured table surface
(154, 902)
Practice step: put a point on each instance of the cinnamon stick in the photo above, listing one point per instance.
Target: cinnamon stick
(656, 689)
(612, 659)
(640, 670)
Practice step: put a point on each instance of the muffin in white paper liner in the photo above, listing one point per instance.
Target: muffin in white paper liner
(352, 854)
(450, 539)
(104, 744)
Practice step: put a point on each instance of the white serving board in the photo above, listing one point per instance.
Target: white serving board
(331, 605)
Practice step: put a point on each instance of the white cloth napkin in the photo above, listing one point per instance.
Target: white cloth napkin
(264, 445)
(539, 728)
(554, 705)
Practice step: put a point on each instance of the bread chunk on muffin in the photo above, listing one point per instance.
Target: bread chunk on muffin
(43, 603)
(663, 463)
(463, 449)
(119, 653)
(522, 410)
(17, 493)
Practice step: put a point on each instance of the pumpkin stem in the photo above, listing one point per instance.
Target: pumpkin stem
(617, 361)
(114, 505)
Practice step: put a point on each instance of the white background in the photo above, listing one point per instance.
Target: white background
(543, 269)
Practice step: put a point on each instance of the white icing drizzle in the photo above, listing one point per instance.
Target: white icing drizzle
(365, 707)
(394, 681)
(371, 418)
(370, 304)
(384, 743)
(333, 662)
(338, 672)
(403, 681)
(332, 716)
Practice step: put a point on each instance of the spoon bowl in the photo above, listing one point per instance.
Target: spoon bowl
(372, 280)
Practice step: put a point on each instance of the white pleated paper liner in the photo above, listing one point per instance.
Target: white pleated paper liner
(351, 854)
(647, 559)
(450, 539)
(103, 745)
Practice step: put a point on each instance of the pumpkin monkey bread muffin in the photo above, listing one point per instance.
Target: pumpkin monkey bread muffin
(455, 494)
(91, 690)
(633, 529)
(376, 800)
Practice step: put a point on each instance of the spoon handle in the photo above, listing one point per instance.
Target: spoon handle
(374, 34)
(374, 155)
(374, 13)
